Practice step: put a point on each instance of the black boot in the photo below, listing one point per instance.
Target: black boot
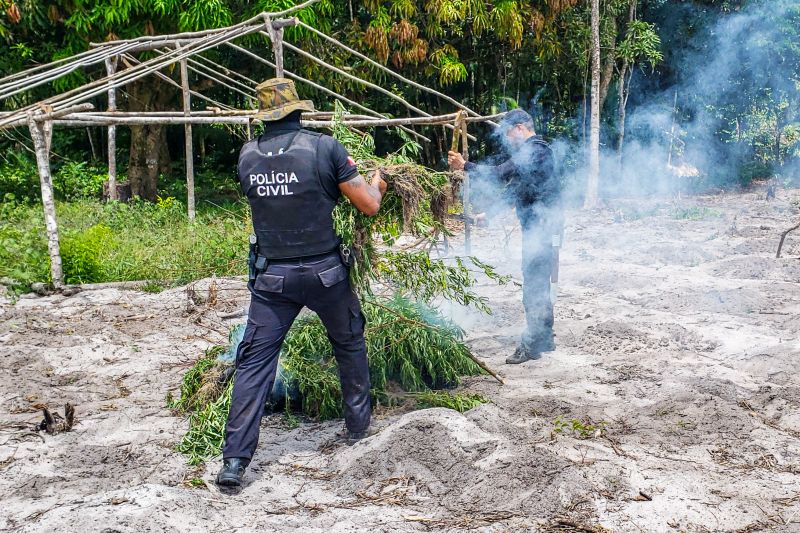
(522, 354)
(351, 437)
(232, 472)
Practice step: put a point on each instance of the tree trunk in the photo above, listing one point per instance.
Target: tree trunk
(624, 90)
(623, 100)
(149, 154)
(780, 120)
(592, 184)
(92, 145)
(608, 68)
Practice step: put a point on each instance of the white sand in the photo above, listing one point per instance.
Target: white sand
(680, 336)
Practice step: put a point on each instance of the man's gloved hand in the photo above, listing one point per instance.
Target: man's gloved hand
(455, 160)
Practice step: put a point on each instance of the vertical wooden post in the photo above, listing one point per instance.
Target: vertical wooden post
(187, 128)
(467, 221)
(672, 130)
(41, 134)
(593, 178)
(111, 68)
(249, 129)
(276, 36)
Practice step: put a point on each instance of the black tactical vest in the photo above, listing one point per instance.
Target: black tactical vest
(291, 209)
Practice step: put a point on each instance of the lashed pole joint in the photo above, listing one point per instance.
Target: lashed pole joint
(275, 31)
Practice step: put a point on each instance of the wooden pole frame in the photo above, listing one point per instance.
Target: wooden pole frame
(324, 89)
(67, 109)
(41, 134)
(462, 126)
(276, 36)
(189, 148)
(242, 117)
(111, 68)
(363, 82)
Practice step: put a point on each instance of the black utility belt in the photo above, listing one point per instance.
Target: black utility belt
(298, 258)
(258, 263)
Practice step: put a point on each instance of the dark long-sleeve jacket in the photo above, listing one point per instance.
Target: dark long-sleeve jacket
(527, 177)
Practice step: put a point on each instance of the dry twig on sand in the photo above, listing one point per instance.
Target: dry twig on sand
(567, 524)
(783, 238)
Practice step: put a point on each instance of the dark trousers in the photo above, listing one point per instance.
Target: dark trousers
(537, 261)
(277, 296)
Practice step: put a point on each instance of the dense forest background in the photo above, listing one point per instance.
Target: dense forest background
(704, 91)
(696, 95)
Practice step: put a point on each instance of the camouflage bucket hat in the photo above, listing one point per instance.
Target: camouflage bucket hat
(277, 98)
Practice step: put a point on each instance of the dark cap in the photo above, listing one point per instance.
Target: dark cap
(514, 117)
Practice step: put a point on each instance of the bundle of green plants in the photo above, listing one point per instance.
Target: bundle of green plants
(410, 346)
(447, 399)
(416, 203)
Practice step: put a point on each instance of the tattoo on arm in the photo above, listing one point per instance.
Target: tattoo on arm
(358, 181)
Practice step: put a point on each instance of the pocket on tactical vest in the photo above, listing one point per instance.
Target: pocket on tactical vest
(332, 276)
(269, 283)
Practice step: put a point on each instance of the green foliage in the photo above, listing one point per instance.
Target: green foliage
(580, 429)
(418, 274)
(695, 212)
(449, 400)
(207, 429)
(23, 247)
(207, 401)
(79, 180)
(415, 202)
(641, 42)
(80, 254)
(486, 55)
(408, 344)
(124, 242)
(204, 14)
(19, 178)
(414, 345)
(451, 70)
(192, 393)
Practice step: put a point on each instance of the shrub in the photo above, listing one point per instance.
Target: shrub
(80, 254)
(23, 246)
(19, 179)
(79, 180)
(123, 242)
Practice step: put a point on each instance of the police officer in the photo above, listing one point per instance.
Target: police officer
(527, 176)
(293, 179)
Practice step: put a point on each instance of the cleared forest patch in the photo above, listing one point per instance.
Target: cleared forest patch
(670, 404)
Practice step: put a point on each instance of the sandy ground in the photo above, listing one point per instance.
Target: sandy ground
(677, 358)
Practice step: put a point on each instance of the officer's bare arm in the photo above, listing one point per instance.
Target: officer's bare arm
(365, 196)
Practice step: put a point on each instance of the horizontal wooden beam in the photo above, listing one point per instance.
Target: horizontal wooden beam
(77, 116)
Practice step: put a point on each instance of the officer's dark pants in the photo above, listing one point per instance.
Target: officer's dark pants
(537, 257)
(277, 296)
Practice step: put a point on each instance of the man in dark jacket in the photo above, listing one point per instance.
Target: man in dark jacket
(293, 179)
(528, 178)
